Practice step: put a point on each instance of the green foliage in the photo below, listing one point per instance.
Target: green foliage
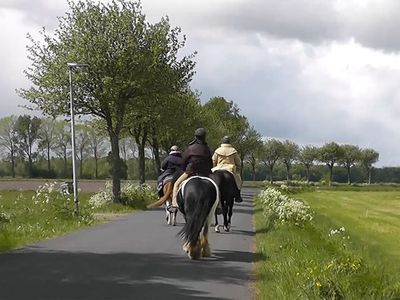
(223, 119)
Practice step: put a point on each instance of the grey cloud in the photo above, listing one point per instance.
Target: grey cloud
(39, 12)
(315, 21)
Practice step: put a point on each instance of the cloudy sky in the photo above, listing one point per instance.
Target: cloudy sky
(312, 71)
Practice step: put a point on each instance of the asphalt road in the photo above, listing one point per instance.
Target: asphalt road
(136, 256)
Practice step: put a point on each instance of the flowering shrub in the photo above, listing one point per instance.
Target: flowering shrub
(102, 198)
(136, 196)
(56, 201)
(278, 207)
(4, 218)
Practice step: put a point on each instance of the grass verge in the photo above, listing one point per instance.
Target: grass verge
(317, 262)
(22, 221)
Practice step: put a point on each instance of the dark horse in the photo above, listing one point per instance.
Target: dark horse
(228, 191)
(197, 200)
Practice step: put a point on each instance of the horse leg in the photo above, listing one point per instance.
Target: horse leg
(230, 212)
(216, 223)
(167, 213)
(225, 214)
(194, 251)
(174, 218)
(205, 246)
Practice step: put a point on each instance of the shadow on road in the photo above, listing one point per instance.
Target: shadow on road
(66, 275)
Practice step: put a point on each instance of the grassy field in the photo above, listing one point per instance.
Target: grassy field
(22, 221)
(360, 260)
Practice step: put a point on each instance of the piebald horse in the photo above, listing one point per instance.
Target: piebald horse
(197, 200)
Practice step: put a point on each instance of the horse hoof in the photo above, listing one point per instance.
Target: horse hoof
(217, 229)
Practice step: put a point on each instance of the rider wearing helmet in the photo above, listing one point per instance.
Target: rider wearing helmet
(171, 168)
(227, 158)
(196, 160)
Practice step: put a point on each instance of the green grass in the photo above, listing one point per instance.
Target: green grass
(372, 219)
(25, 222)
(306, 263)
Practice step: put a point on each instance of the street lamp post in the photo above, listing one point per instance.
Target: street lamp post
(71, 97)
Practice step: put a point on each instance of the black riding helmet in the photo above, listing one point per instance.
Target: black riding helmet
(199, 135)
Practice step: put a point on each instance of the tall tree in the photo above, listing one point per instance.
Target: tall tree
(368, 158)
(289, 154)
(307, 156)
(223, 118)
(9, 139)
(351, 154)
(249, 144)
(330, 154)
(128, 59)
(62, 136)
(96, 135)
(46, 138)
(82, 142)
(27, 129)
(271, 152)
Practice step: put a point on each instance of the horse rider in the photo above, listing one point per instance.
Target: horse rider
(171, 167)
(196, 160)
(227, 158)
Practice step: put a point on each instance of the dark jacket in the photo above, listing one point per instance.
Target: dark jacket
(172, 162)
(197, 159)
(171, 168)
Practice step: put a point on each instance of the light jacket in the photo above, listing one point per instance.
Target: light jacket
(227, 158)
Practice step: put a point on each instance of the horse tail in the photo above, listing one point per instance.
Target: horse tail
(168, 187)
(200, 200)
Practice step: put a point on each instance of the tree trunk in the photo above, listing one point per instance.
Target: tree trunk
(12, 164)
(348, 175)
(65, 162)
(330, 175)
(253, 171)
(156, 153)
(142, 161)
(271, 177)
(115, 162)
(241, 166)
(308, 174)
(48, 158)
(287, 174)
(81, 164)
(96, 174)
(369, 175)
(30, 171)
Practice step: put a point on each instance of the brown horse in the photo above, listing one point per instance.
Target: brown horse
(167, 200)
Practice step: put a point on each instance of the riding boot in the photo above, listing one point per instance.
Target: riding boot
(238, 198)
(174, 206)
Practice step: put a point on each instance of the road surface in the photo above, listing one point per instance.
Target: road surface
(136, 256)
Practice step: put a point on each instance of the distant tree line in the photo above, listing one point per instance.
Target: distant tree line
(311, 162)
(41, 147)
